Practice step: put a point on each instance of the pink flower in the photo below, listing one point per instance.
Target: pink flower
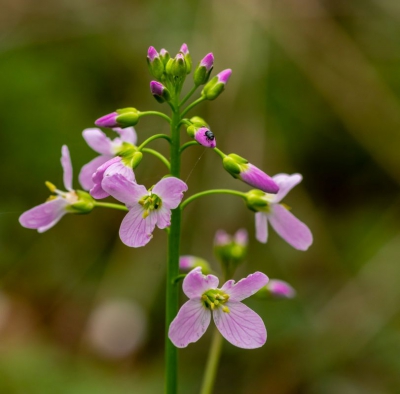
(147, 208)
(188, 262)
(46, 215)
(107, 148)
(237, 323)
(280, 289)
(291, 229)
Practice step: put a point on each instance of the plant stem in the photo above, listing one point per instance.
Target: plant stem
(213, 191)
(111, 205)
(172, 291)
(212, 363)
(190, 106)
(152, 138)
(187, 97)
(187, 144)
(156, 113)
(159, 155)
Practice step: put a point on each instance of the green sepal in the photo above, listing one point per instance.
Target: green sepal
(136, 159)
(256, 201)
(191, 130)
(231, 166)
(188, 61)
(127, 117)
(213, 89)
(165, 58)
(156, 67)
(196, 120)
(176, 67)
(85, 203)
(201, 75)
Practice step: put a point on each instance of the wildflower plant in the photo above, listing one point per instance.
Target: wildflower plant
(113, 173)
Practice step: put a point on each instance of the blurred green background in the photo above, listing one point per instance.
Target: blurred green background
(315, 89)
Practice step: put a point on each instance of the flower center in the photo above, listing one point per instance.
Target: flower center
(215, 298)
(150, 203)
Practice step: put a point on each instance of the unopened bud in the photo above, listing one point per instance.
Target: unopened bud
(176, 67)
(155, 63)
(188, 59)
(187, 263)
(203, 70)
(203, 135)
(159, 91)
(216, 85)
(125, 117)
(277, 289)
(164, 55)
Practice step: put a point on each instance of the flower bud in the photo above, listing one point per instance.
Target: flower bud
(277, 289)
(176, 67)
(159, 91)
(217, 85)
(197, 121)
(257, 200)
(136, 159)
(85, 203)
(155, 63)
(203, 135)
(125, 117)
(188, 59)
(187, 263)
(241, 169)
(203, 70)
(164, 55)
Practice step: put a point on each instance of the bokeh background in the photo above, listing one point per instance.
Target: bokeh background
(315, 89)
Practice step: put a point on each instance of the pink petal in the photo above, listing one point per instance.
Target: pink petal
(124, 190)
(170, 190)
(286, 183)
(261, 227)
(190, 324)
(127, 135)
(99, 174)
(241, 326)
(196, 284)
(163, 217)
(222, 238)
(98, 141)
(67, 167)
(136, 231)
(241, 237)
(44, 216)
(280, 289)
(291, 229)
(87, 171)
(245, 287)
(258, 179)
(187, 262)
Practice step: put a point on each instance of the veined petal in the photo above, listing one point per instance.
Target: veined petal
(291, 229)
(286, 183)
(246, 287)
(67, 167)
(98, 141)
(124, 190)
(241, 326)
(163, 217)
(127, 134)
(261, 227)
(44, 216)
(190, 323)
(170, 190)
(136, 231)
(99, 174)
(87, 171)
(195, 283)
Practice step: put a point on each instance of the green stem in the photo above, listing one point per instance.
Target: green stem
(187, 144)
(156, 113)
(213, 191)
(212, 363)
(187, 97)
(159, 155)
(111, 205)
(220, 153)
(172, 291)
(190, 106)
(152, 138)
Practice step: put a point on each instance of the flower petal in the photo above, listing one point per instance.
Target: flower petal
(67, 167)
(190, 323)
(98, 141)
(258, 179)
(286, 183)
(261, 227)
(170, 190)
(127, 135)
(163, 217)
(87, 171)
(135, 230)
(195, 283)
(291, 229)
(280, 289)
(241, 326)
(246, 287)
(124, 190)
(44, 216)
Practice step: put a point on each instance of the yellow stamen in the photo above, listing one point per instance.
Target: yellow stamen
(145, 214)
(50, 186)
(225, 309)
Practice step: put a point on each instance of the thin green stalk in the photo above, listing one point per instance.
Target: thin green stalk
(212, 363)
(187, 145)
(190, 106)
(159, 155)
(172, 291)
(213, 191)
(111, 205)
(187, 97)
(156, 113)
(152, 138)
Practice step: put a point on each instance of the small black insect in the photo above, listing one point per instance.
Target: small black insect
(210, 135)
